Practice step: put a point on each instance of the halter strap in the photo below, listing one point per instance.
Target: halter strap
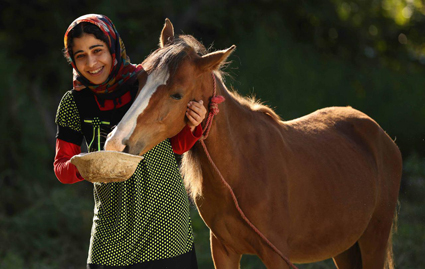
(213, 109)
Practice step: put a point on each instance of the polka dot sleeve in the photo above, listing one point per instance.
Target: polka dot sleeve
(68, 120)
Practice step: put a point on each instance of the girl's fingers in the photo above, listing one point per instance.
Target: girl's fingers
(194, 112)
(197, 105)
(191, 120)
(197, 112)
(194, 115)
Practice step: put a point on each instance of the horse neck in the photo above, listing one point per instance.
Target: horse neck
(232, 129)
(237, 136)
(232, 121)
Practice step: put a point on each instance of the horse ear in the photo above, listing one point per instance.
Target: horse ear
(213, 60)
(167, 34)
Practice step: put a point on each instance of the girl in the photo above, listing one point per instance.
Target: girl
(143, 222)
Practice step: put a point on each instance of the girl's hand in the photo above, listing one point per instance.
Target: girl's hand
(195, 113)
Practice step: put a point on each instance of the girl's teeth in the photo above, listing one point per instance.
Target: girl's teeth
(96, 71)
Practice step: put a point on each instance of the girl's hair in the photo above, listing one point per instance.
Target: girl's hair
(78, 31)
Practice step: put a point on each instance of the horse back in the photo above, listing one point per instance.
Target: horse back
(345, 140)
(333, 127)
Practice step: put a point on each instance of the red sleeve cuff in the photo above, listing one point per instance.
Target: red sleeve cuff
(185, 140)
(65, 171)
(197, 133)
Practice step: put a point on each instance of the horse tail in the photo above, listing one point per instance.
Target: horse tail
(390, 264)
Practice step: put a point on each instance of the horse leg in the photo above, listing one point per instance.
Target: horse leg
(349, 259)
(375, 242)
(223, 257)
(273, 260)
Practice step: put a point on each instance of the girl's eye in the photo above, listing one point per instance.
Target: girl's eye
(176, 96)
(79, 56)
(97, 50)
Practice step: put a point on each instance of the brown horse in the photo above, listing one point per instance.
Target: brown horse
(321, 186)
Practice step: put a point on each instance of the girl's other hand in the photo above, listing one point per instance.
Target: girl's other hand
(195, 113)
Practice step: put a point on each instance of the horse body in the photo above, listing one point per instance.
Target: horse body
(321, 186)
(313, 182)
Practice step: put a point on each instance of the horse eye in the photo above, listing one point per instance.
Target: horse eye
(176, 96)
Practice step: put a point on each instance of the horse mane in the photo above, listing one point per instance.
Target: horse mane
(255, 104)
(173, 53)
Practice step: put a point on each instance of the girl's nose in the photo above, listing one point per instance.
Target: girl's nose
(91, 61)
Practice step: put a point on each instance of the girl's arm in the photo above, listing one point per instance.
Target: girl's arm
(65, 171)
(185, 140)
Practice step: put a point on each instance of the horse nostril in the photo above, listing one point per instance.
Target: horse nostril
(125, 141)
(114, 144)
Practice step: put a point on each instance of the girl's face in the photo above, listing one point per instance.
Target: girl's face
(92, 58)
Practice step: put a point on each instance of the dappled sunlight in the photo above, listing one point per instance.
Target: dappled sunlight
(401, 11)
(372, 17)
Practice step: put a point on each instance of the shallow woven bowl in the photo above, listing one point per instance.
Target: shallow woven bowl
(106, 166)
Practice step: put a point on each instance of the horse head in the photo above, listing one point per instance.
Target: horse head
(174, 74)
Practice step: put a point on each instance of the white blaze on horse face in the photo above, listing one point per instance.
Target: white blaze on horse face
(126, 127)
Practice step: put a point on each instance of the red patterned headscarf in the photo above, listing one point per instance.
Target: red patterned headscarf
(121, 71)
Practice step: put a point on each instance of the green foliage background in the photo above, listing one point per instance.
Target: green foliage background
(296, 56)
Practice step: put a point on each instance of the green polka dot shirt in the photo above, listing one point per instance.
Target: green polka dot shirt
(145, 218)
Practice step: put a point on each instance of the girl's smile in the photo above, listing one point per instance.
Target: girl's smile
(92, 58)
